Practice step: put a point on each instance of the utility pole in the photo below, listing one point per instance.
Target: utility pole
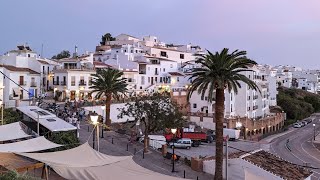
(227, 139)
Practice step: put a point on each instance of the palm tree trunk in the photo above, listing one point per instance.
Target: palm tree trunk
(219, 116)
(108, 104)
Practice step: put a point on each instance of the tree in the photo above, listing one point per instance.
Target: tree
(108, 83)
(106, 37)
(156, 113)
(61, 55)
(14, 175)
(10, 116)
(220, 71)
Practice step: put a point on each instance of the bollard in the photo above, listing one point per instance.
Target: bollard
(127, 147)
(143, 155)
(134, 151)
(184, 173)
(112, 140)
(197, 178)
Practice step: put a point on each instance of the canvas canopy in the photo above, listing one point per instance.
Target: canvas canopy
(84, 163)
(30, 145)
(12, 131)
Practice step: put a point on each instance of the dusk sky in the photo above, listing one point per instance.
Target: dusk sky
(272, 31)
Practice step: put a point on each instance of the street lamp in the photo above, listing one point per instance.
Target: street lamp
(314, 131)
(103, 115)
(173, 131)
(94, 119)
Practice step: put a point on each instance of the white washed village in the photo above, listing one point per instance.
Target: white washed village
(47, 102)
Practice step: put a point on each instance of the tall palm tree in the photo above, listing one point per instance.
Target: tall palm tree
(220, 71)
(108, 83)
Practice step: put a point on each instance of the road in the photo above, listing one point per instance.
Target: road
(302, 149)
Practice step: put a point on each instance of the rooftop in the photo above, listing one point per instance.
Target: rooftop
(277, 166)
(19, 69)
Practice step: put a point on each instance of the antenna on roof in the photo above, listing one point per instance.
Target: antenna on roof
(41, 55)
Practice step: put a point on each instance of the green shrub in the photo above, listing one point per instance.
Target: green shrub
(13, 175)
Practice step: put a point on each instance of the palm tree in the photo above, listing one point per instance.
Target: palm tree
(218, 72)
(108, 83)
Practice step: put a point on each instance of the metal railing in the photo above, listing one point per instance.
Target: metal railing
(82, 83)
(22, 83)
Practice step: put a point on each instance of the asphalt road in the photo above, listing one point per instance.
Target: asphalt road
(302, 149)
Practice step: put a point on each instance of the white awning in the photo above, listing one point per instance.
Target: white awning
(30, 145)
(83, 162)
(12, 131)
(46, 119)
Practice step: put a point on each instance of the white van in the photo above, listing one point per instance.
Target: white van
(155, 141)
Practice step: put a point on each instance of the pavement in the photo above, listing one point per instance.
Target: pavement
(297, 146)
(152, 160)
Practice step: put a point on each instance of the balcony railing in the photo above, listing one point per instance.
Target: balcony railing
(82, 83)
(142, 72)
(22, 83)
(63, 83)
(255, 107)
(33, 84)
(56, 83)
(255, 97)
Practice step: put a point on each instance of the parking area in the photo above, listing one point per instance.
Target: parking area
(207, 150)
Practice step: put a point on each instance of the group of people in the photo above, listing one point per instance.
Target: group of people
(72, 114)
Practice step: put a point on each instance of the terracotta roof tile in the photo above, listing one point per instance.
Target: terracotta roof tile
(175, 74)
(278, 166)
(19, 69)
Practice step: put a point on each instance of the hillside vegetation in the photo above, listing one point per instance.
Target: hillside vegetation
(297, 103)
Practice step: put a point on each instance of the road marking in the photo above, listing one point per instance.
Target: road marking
(307, 152)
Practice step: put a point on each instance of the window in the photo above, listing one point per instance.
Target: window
(231, 96)
(29, 55)
(177, 79)
(90, 81)
(117, 51)
(194, 105)
(231, 108)
(148, 79)
(201, 98)
(164, 69)
(156, 79)
(136, 51)
(163, 53)
(206, 98)
(125, 50)
(131, 51)
(160, 79)
(171, 65)
(73, 80)
(42, 69)
(142, 80)
(181, 56)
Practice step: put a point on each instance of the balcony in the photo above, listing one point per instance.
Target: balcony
(56, 83)
(131, 81)
(22, 83)
(33, 84)
(255, 107)
(142, 72)
(82, 83)
(255, 97)
(63, 83)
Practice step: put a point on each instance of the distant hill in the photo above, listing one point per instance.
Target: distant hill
(297, 103)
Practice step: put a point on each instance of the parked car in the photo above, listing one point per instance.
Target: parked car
(297, 125)
(182, 143)
(309, 120)
(304, 123)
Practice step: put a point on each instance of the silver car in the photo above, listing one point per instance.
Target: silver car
(182, 143)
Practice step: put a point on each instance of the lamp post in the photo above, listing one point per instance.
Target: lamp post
(314, 131)
(173, 131)
(103, 115)
(94, 119)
